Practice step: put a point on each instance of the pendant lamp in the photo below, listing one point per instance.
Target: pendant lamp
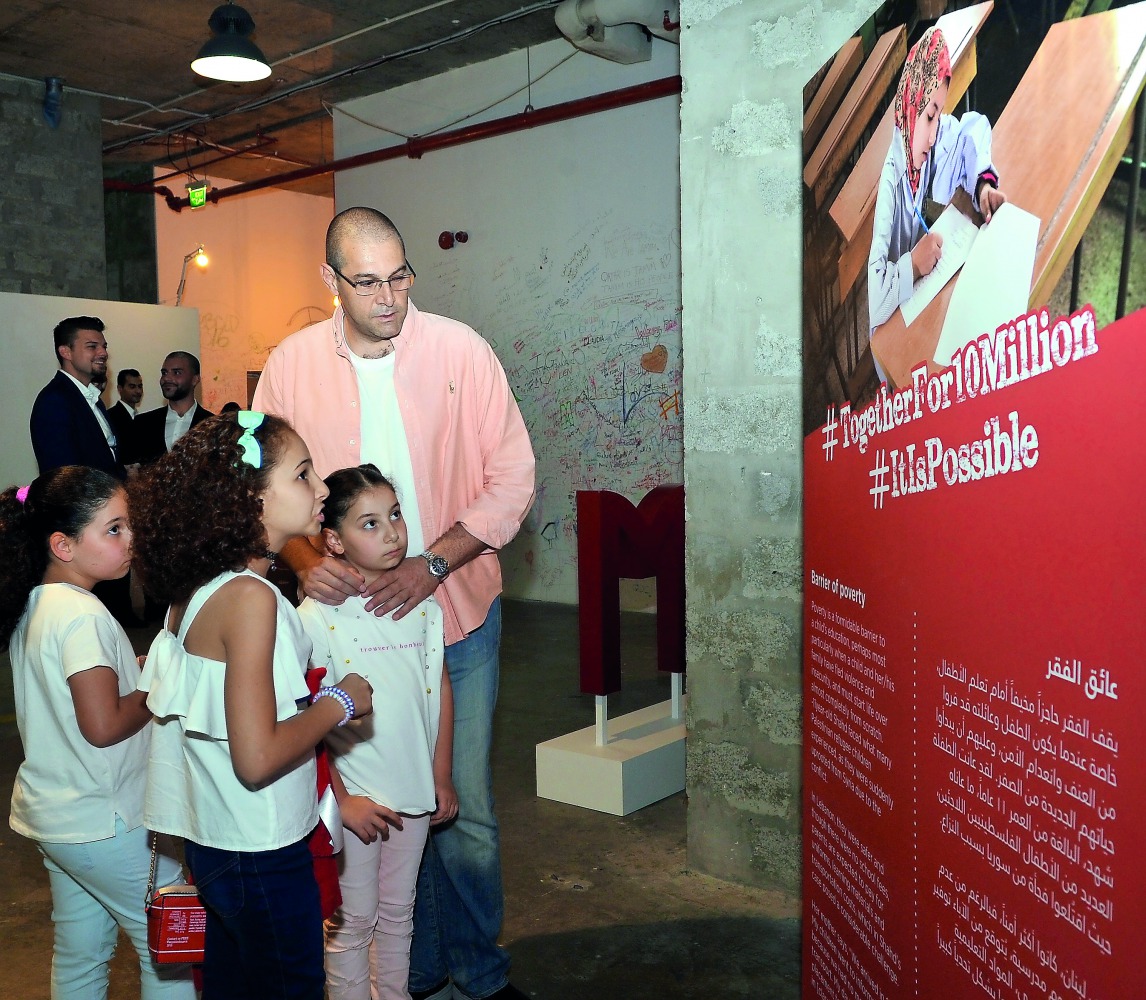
(229, 54)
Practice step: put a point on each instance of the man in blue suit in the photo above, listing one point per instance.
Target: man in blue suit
(70, 427)
(69, 423)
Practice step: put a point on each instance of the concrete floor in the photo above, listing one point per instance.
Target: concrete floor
(596, 905)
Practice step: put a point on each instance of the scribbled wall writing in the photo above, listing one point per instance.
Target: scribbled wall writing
(589, 334)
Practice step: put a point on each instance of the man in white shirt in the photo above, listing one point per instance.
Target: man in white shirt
(129, 384)
(156, 431)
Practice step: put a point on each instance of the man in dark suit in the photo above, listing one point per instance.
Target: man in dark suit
(121, 416)
(155, 432)
(69, 425)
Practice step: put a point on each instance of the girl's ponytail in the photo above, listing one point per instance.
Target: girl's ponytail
(64, 500)
(24, 561)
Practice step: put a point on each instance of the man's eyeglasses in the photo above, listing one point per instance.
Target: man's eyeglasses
(372, 286)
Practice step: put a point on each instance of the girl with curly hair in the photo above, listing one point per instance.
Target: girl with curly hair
(392, 772)
(232, 765)
(79, 791)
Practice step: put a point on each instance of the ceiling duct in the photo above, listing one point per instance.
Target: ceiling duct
(619, 30)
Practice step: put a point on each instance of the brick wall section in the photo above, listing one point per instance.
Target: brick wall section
(51, 195)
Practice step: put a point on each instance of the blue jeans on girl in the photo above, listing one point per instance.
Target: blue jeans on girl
(97, 888)
(264, 923)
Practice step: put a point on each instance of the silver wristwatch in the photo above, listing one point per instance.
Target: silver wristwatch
(438, 566)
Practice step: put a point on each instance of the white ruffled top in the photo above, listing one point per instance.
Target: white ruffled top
(192, 789)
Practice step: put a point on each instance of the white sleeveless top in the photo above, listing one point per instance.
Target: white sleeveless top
(192, 789)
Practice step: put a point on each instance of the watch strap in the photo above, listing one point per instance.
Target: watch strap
(438, 565)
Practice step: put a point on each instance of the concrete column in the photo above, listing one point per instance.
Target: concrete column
(51, 195)
(744, 65)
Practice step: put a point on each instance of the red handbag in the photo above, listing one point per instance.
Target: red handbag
(176, 920)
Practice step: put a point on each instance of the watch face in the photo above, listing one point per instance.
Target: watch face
(438, 566)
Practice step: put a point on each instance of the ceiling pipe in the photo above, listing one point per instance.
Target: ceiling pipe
(172, 199)
(418, 147)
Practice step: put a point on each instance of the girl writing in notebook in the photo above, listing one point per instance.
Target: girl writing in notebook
(932, 155)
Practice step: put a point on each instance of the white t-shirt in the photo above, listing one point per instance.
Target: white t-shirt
(192, 789)
(66, 790)
(384, 441)
(387, 756)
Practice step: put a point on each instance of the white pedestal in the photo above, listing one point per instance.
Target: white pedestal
(641, 763)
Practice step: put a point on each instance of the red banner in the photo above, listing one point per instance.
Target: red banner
(972, 634)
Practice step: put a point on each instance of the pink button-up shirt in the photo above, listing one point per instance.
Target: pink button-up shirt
(472, 460)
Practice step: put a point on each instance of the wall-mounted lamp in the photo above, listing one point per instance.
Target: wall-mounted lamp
(229, 54)
(200, 259)
(446, 239)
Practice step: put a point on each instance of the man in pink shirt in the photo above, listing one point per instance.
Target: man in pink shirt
(425, 399)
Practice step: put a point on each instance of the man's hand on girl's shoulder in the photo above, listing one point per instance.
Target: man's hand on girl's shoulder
(401, 589)
(330, 581)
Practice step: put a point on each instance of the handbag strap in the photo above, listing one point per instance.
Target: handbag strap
(151, 873)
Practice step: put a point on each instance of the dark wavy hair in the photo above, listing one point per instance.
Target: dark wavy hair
(197, 511)
(346, 486)
(66, 499)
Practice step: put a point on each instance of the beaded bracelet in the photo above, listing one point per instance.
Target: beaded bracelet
(341, 697)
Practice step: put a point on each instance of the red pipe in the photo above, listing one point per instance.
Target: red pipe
(416, 148)
(172, 199)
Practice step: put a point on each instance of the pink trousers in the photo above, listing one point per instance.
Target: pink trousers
(377, 882)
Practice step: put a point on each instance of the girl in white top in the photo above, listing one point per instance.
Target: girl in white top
(391, 771)
(232, 763)
(84, 727)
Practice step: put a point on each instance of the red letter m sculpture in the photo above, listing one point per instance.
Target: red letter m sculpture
(615, 540)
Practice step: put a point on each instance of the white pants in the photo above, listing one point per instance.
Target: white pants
(377, 882)
(97, 888)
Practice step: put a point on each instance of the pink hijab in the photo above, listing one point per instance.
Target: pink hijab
(928, 65)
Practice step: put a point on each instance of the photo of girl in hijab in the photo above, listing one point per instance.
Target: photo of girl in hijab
(932, 155)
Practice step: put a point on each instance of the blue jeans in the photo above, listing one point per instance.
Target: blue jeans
(98, 887)
(264, 923)
(458, 908)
